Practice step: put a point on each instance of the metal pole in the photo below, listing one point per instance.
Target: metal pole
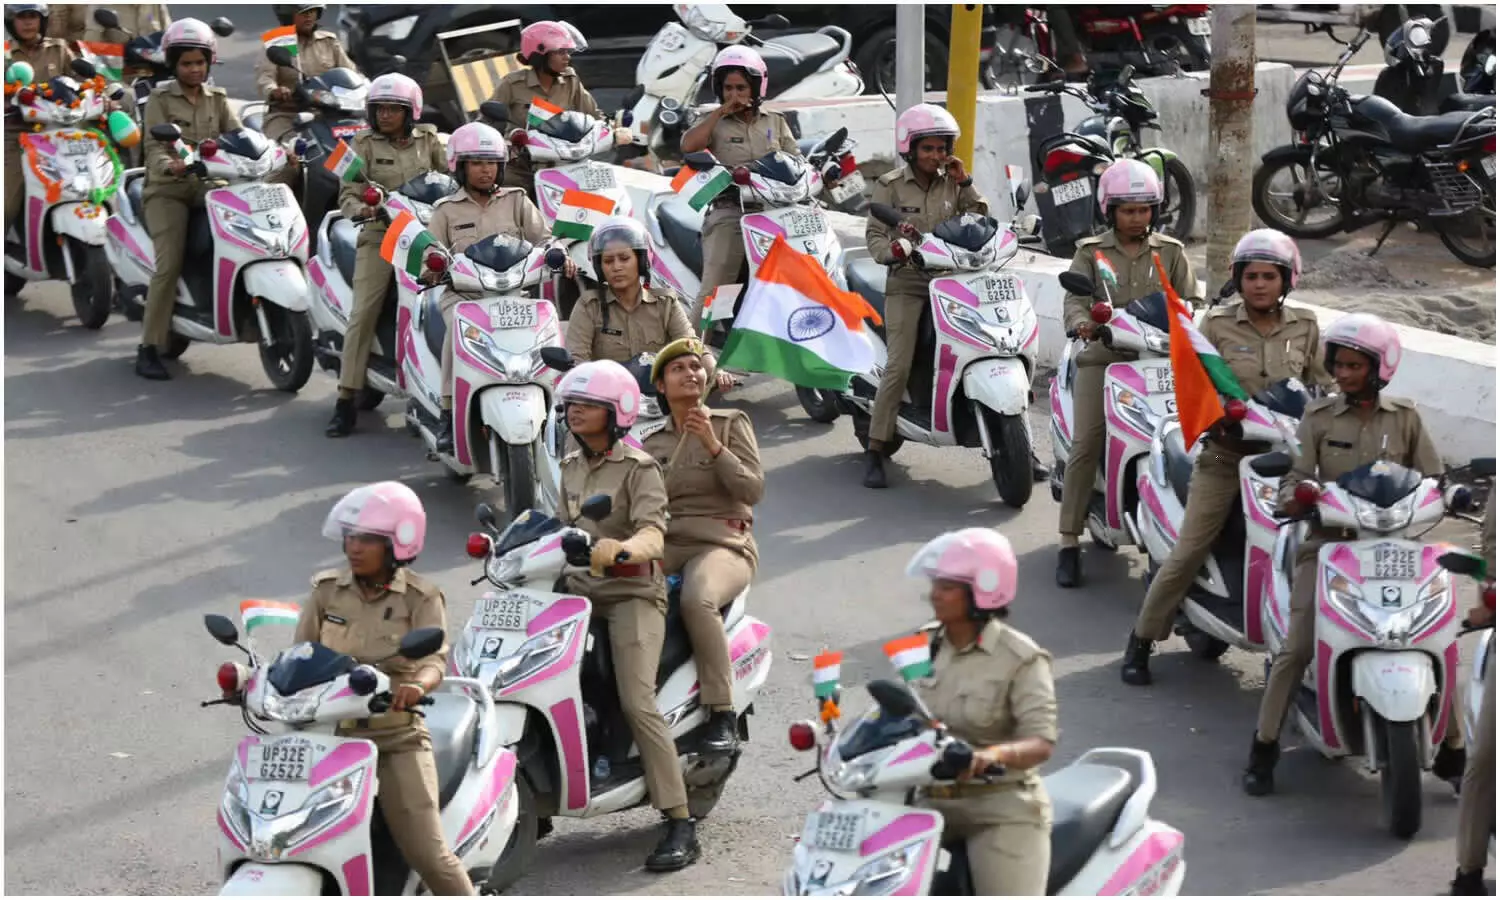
(963, 76)
(911, 56)
(1231, 134)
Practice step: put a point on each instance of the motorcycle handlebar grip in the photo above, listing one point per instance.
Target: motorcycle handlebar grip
(1102, 335)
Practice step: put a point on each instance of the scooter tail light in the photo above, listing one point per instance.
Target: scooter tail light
(1101, 312)
(478, 546)
(847, 164)
(1489, 144)
(1061, 159)
(228, 678)
(1306, 493)
(802, 736)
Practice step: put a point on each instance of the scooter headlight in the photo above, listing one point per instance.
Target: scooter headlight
(503, 570)
(292, 710)
(274, 836)
(1347, 597)
(236, 804)
(880, 876)
(423, 211)
(969, 322)
(515, 367)
(501, 282)
(244, 227)
(1265, 499)
(533, 656)
(855, 775)
(1133, 409)
(1385, 520)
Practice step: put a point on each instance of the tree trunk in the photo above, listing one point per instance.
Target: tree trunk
(1231, 133)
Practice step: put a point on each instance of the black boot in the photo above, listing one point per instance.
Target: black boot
(1068, 569)
(1469, 884)
(677, 850)
(1136, 668)
(445, 433)
(148, 364)
(1260, 774)
(874, 469)
(1449, 763)
(721, 735)
(342, 422)
(1039, 472)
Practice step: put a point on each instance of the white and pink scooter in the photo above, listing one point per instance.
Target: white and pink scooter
(547, 663)
(872, 839)
(298, 816)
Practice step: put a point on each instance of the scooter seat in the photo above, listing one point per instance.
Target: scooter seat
(1466, 102)
(867, 278)
(683, 232)
(433, 326)
(806, 146)
(791, 58)
(1086, 803)
(453, 721)
(341, 238)
(1412, 134)
(133, 189)
(1179, 465)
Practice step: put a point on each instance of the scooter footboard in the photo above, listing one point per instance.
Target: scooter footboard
(1397, 685)
(886, 848)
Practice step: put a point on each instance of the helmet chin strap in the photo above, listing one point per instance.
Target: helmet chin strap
(1363, 399)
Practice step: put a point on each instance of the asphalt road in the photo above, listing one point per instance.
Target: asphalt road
(134, 508)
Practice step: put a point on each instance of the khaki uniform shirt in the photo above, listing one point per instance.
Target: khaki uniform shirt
(1138, 277)
(389, 165)
(923, 208)
(633, 481)
(712, 499)
(600, 328)
(1258, 360)
(210, 117)
(340, 617)
(48, 58)
(459, 220)
(995, 690)
(735, 142)
(75, 21)
(520, 87)
(316, 54)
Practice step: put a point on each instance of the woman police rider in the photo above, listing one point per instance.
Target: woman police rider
(1339, 434)
(394, 149)
(364, 609)
(547, 50)
(1264, 342)
(714, 480)
(202, 111)
(602, 401)
(992, 687)
(737, 133)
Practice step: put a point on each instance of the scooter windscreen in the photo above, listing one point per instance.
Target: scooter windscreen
(302, 666)
(1287, 397)
(876, 730)
(347, 87)
(244, 142)
(571, 126)
(968, 231)
(1381, 483)
(428, 188)
(501, 252)
(1151, 309)
(528, 526)
(779, 166)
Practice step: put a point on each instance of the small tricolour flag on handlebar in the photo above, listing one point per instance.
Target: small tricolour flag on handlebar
(1106, 269)
(255, 614)
(405, 242)
(281, 37)
(911, 656)
(108, 58)
(579, 213)
(344, 163)
(540, 112)
(700, 188)
(826, 673)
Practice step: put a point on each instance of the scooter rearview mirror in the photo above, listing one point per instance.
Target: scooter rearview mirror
(107, 18)
(1483, 467)
(886, 215)
(422, 642)
(1461, 563)
(597, 508)
(221, 629)
(1075, 283)
(281, 56)
(1271, 465)
(557, 358)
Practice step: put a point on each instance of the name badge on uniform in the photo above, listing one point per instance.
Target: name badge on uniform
(330, 617)
(182, 123)
(1243, 349)
(385, 162)
(1342, 445)
(736, 140)
(612, 332)
(463, 226)
(911, 209)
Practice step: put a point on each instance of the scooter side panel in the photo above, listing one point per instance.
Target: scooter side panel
(886, 829)
(485, 808)
(133, 263)
(1151, 864)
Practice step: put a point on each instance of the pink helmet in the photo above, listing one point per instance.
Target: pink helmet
(978, 557)
(189, 34)
(1370, 335)
(603, 383)
(540, 38)
(1269, 246)
(1128, 181)
(747, 61)
(475, 140)
(388, 509)
(922, 121)
(395, 88)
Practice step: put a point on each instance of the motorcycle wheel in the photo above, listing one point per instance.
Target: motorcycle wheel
(821, 406)
(176, 346)
(288, 362)
(1260, 194)
(1180, 186)
(94, 291)
(519, 851)
(1401, 779)
(1471, 237)
(1010, 467)
(520, 480)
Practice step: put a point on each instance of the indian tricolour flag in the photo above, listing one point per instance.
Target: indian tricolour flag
(540, 112)
(911, 656)
(1107, 272)
(255, 614)
(1200, 374)
(796, 324)
(700, 188)
(405, 241)
(719, 305)
(579, 213)
(281, 37)
(826, 673)
(344, 163)
(108, 58)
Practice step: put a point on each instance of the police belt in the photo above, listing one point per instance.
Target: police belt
(378, 723)
(631, 570)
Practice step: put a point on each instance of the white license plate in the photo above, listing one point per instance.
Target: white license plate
(850, 185)
(83, 147)
(596, 178)
(509, 613)
(1159, 380)
(1002, 289)
(515, 314)
(805, 224)
(1389, 562)
(287, 759)
(1489, 165)
(1072, 191)
(1200, 26)
(264, 199)
(837, 831)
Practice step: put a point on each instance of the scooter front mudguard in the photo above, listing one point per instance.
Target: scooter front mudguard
(277, 281)
(1398, 685)
(999, 383)
(70, 220)
(255, 879)
(515, 412)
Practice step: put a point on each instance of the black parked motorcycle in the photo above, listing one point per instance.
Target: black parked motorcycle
(1476, 71)
(1413, 76)
(1358, 160)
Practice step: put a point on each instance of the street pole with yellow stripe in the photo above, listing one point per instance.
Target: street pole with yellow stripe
(963, 75)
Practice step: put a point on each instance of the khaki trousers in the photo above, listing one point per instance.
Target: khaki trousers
(1215, 486)
(167, 209)
(903, 323)
(1476, 799)
(1088, 446)
(1009, 838)
(712, 576)
(637, 628)
(409, 803)
(723, 254)
(372, 278)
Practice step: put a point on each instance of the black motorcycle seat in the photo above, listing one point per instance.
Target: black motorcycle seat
(133, 189)
(453, 722)
(682, 230)
(1179, 466)
(1466, 102)
(1411, 134)
(806, 146)
(790, 58)
(341, 238)
(433, 326)
(1086, 803)
(867, 278)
